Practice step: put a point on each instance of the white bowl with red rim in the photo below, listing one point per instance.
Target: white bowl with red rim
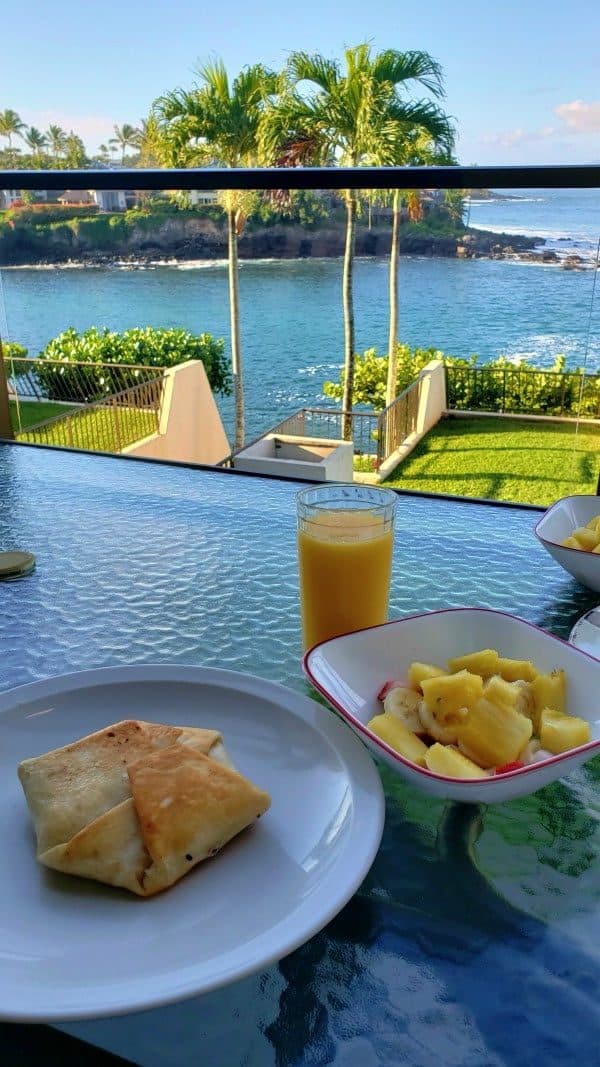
(351, 670)
(558, 523)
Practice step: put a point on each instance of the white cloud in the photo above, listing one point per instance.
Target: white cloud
(93, 129)
(510, 138)
(580, 117)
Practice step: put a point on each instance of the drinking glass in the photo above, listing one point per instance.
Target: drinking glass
(345, 543)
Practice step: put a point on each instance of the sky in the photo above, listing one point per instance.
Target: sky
(522, 78)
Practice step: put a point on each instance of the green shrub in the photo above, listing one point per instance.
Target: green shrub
(500, 385)
(11, 350)
(370, 374)
(146, 346)
(41, 214)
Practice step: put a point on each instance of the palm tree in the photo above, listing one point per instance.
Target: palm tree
(147, 141)
(422, 146)
(10, 126)
(36, 141)
(126, 136)
(74, 151)
(218, 122)
(355, 118)
(56, 139)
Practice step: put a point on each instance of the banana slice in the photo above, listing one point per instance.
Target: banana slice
(404, 705)
(447, 733)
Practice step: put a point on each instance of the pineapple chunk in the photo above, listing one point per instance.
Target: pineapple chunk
(559, 732)
(593, 523)
(493, 734)
(446, 695)
(497, 691)
(524, 702)
(596, 549)
(418, 672)
(398, 736)
(570, 542)
(404, 704)
(512, 670)
(549, 691)
(443, 759)
(484, 663)
(588, 539)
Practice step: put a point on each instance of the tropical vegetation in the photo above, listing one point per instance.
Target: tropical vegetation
(316, 111)
(356, 116)
(500, 385)
(143, 346)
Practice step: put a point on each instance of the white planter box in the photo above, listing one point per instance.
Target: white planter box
(290, 456)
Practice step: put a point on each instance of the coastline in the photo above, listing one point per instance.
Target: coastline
(173, 244)
(196, 242)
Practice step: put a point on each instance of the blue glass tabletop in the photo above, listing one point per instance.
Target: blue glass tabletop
(474, 938)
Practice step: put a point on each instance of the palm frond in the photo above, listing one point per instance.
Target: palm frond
(397, 68)
(214, 76)
(324, 73)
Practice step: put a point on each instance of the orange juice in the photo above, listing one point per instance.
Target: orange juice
(345, 560)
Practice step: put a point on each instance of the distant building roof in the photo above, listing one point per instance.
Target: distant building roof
(76, 196)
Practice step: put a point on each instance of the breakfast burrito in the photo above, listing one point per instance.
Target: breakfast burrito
(137, 804)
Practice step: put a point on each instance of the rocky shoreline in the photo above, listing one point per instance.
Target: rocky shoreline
(188, 239)
(174, 242)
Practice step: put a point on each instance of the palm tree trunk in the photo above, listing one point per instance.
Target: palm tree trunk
(392, 375)
(348, 303)
(234, 316)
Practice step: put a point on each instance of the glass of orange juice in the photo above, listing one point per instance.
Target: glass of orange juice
(345, 542)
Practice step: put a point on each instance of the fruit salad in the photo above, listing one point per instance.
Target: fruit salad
(585, 538)
(480, 715)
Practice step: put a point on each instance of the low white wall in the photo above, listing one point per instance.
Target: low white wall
(191, 430)
(432, 398)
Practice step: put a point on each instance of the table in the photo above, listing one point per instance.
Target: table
(473, 940)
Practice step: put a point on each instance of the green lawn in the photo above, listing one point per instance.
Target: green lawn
(503, 459)
(99, 430)
(34, 411)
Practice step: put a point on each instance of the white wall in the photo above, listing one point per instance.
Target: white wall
(191, 430)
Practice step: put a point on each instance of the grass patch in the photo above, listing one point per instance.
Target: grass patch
(503, 459)
(99, 430)
(34, 411)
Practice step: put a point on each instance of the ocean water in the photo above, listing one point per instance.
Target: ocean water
(292, 328)
(568, 219)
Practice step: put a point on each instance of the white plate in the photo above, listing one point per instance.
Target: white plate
(585, 634)
(351, 670)
(73, 949)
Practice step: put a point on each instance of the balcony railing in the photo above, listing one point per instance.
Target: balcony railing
(109, 425)
(522, 390)
(326, 423)
(72, 383)
(571, 176)
(398, 421)
(374, 435)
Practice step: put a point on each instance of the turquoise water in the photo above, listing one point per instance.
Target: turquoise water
(292, 329)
